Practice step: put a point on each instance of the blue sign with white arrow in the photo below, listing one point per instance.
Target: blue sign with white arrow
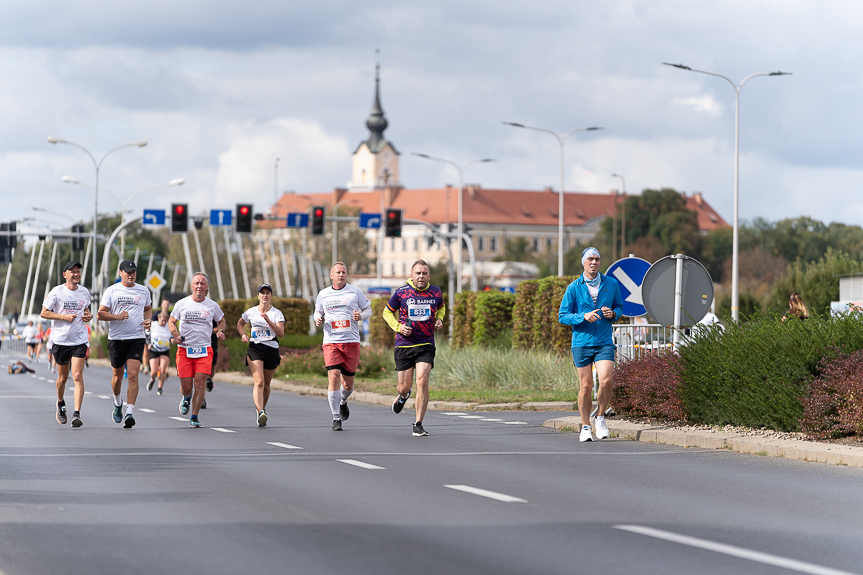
(298, 220)
(629, 273)
(370, 220)
(221, 217)
(154, 218)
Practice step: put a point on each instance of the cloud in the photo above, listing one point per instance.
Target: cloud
(701, 104)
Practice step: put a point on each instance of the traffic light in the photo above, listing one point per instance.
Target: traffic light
(12, 241)
(319, 216)
(393, 219)
(244, 218)
(78, 241)
(4, 241)
(179, 218)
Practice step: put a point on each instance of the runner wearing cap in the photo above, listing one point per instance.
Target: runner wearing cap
(160, 351)
(268, 323)
(339, 308)
(195, 314)
(67, 306)
(126, 305)
(590, 305)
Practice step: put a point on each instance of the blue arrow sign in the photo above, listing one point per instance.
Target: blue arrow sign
(629, 273)
(370, 220)
(154, 218)
(221, 217)
(298, 220)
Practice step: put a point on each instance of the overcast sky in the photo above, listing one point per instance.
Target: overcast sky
(220, 89)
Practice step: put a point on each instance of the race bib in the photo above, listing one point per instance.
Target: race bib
(340, 325)
(196, 352)
(261, 334)
(419, 312)
(163, 343)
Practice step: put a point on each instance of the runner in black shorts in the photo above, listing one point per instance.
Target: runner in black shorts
(267, 325)
(127, 306)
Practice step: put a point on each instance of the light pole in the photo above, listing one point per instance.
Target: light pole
(623, 217)
(735, 249)
(335, 228)
(461, 170)
(561, 140)
(38, 209)
(97, 165)
(71, 180)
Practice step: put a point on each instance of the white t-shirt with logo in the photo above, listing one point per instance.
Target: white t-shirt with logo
(160, 337)
(119, 298)
(64, 301)
(261, 332)
(196, 320)
(337, 306)
(30, 333)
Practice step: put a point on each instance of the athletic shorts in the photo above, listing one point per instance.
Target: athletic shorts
(32, 345)
(259, 352)
(156, 353)
(63, 354)
(122, 350)
(408, 357)
(342, 356)
(189, 366)
(584, 356)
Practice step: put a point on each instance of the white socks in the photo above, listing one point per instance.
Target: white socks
(129, 409)
(346, 393)
(117, 401)
(334, 398)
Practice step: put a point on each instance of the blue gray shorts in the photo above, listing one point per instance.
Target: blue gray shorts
(584, 356)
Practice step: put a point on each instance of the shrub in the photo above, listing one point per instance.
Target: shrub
(463, 318)
(648, 387)
(834, 405)
(303, 363)
(381, 335)
(376, 363)
(535, 324)
(492, 316)
(522, 315)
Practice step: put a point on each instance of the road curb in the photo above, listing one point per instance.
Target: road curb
(789, 449)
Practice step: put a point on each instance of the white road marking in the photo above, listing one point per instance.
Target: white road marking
(145, 410)
(88, 393)
(283, 445)
(359, 464)
(34, 376)
(223, 430)
(453, 413)
(484, 493)
(515, 423)
(43, 379)
(175, 418)
(472, 416)
(757, 556)
(490, 419)
(103, 397)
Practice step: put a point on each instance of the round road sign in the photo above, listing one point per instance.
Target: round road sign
(657, 291)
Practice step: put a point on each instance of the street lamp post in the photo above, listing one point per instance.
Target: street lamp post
(735, 250)
(335, 228)
(97, 165)
(561, 140)
(623, 217)
(461, 170)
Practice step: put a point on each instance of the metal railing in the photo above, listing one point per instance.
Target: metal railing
(13, 346)
(635, 341)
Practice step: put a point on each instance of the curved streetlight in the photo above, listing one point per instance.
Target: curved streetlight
(623, 217)
(71, 180)
(53, 213)
(561, 140)
(735, 250)
(335, 223)
(461, 169)
(97, 165)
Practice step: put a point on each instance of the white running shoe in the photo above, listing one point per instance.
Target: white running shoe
(585, 434)
(601, 427)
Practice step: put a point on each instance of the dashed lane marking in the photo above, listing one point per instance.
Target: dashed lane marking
(490, 419)
(362, 464)
(223, 430)
(515, 423)
(742, 553)
(145, 410)
(283, 445)
(103, 397)
(452, 413)
(472, 416)
(485, 493)
(175, 418)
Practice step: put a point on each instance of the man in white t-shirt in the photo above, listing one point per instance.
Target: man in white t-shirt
(339, 308)
(67, 305)
(195, 314)
(126, 306)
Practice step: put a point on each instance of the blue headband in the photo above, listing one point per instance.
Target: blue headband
(588, 252)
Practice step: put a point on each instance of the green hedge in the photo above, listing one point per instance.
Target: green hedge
(295, 310)
(463, 316)
(381, 335)
(535, 324)
(481, 318)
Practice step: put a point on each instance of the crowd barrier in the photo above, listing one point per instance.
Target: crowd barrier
(636, 340)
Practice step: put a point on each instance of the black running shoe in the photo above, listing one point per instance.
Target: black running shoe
(344, 411)
(400, 402)
(76, 420)
(159, 391)
(337, 425)
(418, 429)
(61, 414)
(129, 422)
(209, 384)
(204, 405)
(150, 384)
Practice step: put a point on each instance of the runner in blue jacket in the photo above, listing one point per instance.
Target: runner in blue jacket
(590, 305)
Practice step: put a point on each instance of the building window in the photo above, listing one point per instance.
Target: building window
(416, 244)
(536, 244)
(404, 269)
(480, 243)
(392, 244)
(404, 245)
(492, 244)
(548, 243)
(392, 269)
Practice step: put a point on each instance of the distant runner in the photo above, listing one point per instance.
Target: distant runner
(340, 308)
(160, 352)
(590, 305)
(420, 311)
(262, 357)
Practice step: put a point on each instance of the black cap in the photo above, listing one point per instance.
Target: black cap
(268, 286)
(128, 266)
(71, 265)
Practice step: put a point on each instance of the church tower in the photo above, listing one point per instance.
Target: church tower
(376, 160)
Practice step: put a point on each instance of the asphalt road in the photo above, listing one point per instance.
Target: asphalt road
(497, 495)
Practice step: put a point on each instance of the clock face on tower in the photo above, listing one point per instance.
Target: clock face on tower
(386, 155)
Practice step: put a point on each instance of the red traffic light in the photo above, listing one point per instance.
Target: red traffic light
(319, 212)
(179, 209)
(391, 215)
(244, 210)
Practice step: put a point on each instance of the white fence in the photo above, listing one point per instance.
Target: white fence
(12, 346)
(634, 341)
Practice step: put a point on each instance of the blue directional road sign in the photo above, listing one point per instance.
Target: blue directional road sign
(154, 218)
(298, 220)
(221, 217)
(629, 273)
(370, 220)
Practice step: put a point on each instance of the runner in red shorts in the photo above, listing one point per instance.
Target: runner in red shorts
(339, 309)
(195, 314)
